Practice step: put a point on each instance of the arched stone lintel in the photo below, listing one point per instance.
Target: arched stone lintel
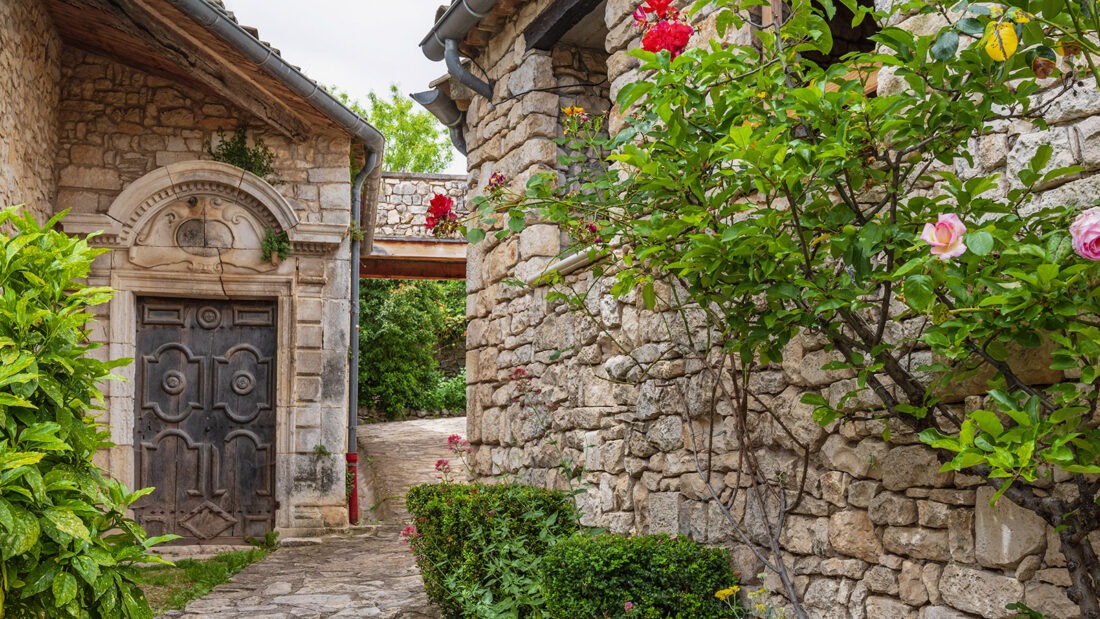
(142, 199)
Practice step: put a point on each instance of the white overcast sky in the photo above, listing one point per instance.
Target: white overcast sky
(356, 45)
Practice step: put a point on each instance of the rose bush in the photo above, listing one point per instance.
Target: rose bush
(777, 198)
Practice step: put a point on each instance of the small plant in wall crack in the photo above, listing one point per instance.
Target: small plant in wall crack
(320, 451)
(257, 159)
(275, 246)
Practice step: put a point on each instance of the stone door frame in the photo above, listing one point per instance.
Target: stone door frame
(120, 230)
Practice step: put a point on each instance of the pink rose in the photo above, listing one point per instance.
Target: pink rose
(946, 236)
(1085, 231)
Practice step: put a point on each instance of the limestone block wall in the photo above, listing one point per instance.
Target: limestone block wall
(626, 394)
(403, 199)
(30, 66)
(118, 123)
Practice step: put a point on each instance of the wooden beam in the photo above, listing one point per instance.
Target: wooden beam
(374, 267)
(131, 32)
(552, 24)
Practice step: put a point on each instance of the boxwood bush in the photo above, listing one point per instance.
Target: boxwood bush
(660, 576)
(481, 548)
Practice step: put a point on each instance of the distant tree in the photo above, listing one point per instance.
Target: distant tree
(404, 327)
(415, 142)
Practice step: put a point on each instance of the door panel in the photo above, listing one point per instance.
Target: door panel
(204, 428)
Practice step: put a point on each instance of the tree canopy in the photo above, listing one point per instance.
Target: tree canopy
(415, 142)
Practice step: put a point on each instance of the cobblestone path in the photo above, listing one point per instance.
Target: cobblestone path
(368, 572)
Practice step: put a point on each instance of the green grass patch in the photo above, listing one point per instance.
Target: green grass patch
(172, 587)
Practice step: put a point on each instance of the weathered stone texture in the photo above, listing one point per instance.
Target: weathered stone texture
(30, 66)
(975, 591)
(1005, 533)
(117, 123)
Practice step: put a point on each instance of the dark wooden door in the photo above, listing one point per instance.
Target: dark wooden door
(204, 427)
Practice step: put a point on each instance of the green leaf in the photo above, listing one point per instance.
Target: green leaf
(980, 242)
(988, 422)
(918, 291)
(22, 536)
(649, 296)
(632, 92)
(87, 568)
(814, 399)
(64, 589)
(40, 579)
(475, 235)
(68, 522)
(1047, 272)
(971, 26)
(945, 46)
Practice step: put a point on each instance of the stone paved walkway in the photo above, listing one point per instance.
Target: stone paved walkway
(368, 572)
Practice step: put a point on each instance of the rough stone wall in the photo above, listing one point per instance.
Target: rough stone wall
(30, 66)
(119, 123)
(879, 533)
(403, 199)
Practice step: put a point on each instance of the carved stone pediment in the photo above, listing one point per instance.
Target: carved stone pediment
(203, 234)
(202, 216)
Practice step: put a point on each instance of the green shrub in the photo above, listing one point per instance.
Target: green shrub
(403, 328)
(595, 576)
(66, 546)
(480, 548)
(448, 394)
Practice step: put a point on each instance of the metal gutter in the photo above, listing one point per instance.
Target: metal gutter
(352, 456)
(444, 109)
(454, 24)
(441, 43)
(252, 48)
(461, 73)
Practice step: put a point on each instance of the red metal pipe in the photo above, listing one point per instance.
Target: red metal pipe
(353, 488)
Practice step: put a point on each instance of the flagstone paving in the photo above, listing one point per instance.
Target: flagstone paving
(366, 572)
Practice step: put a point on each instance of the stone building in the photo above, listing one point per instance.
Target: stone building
(881, 533)
(236, 407)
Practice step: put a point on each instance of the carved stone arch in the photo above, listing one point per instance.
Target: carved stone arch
(146, 198)
(142, 199)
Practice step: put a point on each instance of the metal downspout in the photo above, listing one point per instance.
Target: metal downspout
(353, 355)
(461, 73)
(444, 109)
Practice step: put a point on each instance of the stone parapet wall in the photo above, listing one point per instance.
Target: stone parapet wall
(403, 199)
(30, 65)
(626, 393)
(118, 123)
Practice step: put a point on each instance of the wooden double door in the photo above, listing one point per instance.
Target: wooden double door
(204, 426)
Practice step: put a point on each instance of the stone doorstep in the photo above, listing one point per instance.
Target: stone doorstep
(196, 551)
(312, 537)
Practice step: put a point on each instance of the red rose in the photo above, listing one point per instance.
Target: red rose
(669, 35)
(660, 8)
(441, 206)
(441, 216)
